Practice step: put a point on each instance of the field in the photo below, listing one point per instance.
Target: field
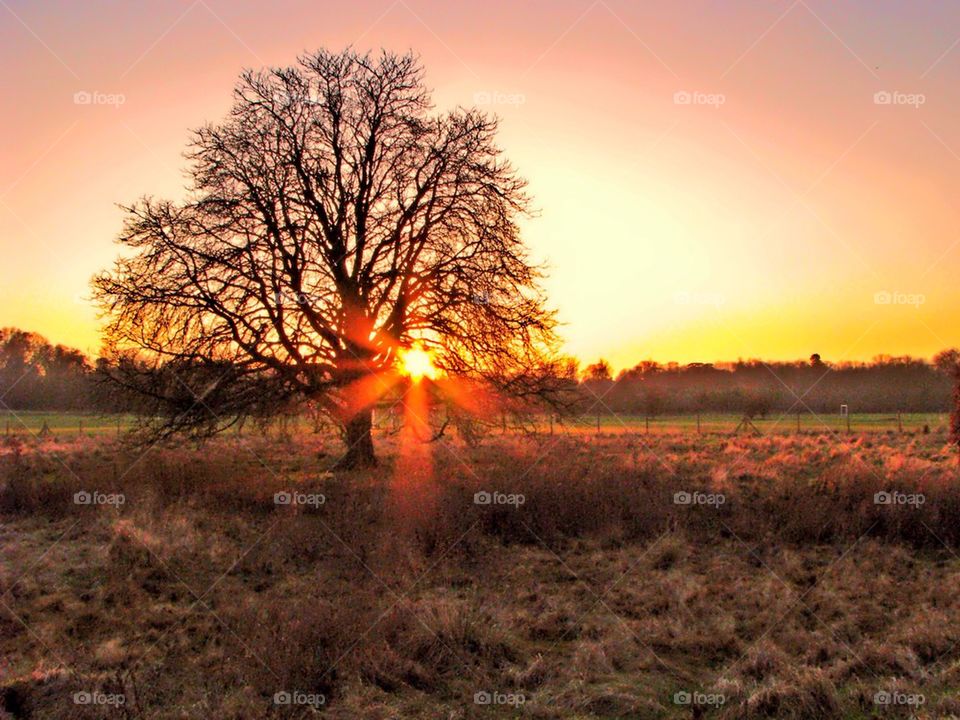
(69, 425)
(582, 575)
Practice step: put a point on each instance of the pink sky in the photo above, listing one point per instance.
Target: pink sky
(715, 179)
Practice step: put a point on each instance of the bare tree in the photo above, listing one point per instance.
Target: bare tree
(333, 218)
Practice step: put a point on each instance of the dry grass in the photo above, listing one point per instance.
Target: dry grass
(597, 597)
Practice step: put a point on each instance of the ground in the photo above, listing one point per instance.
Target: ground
(610, 575)
(74, 425)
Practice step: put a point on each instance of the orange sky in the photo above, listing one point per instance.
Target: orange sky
(715, 179)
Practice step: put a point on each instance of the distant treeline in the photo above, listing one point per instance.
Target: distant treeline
(887, 384)
(35, 375)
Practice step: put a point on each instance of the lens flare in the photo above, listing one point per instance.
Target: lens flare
(416, 363)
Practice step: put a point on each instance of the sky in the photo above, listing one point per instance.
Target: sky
(713, 179)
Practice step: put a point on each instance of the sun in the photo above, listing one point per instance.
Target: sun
(417, 363)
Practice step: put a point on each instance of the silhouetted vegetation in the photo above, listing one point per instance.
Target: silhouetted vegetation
(756, 388)
(36, 375)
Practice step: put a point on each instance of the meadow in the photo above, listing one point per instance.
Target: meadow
(584, 575)
(72, 425)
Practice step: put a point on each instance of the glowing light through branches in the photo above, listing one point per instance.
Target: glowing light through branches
(417, 363)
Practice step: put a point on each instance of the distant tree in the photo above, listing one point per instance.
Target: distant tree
(955, 412)
(35, 375)
(640, 370)
(598, 371)
(948, 361)
(815, 361)
(333, 218)
(568, 368)
(756, 405)
(652, 403)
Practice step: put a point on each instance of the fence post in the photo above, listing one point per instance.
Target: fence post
(798, 421)
(698, 423)
(899, 422)
(647, 423)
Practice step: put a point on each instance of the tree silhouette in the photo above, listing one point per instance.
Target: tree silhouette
(948, 361)
(333, 218)
(598, 372)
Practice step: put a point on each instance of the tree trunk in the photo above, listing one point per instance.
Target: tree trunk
(359, 439)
